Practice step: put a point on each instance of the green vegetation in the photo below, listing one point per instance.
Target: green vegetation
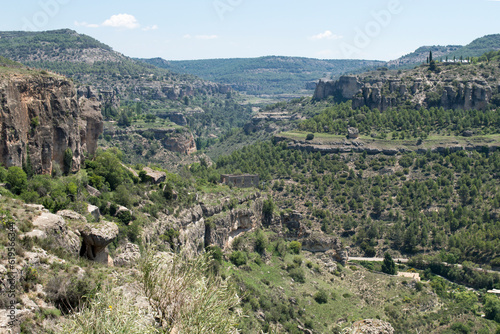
(403, 123)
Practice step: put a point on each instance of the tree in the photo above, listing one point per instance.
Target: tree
(68, 160)
(124, 120)
(430, 56)
(17, 179)
(388, 267)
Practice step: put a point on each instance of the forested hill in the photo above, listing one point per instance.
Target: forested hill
(266, 75)
(90, 62)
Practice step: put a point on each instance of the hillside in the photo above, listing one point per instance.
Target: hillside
(372, 208)
(474, 49)
(265, 75)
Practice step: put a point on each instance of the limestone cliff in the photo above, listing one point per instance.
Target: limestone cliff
(41, 116)
(451, 86)
(205, 224)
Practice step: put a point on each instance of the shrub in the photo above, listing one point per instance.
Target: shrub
(298, 275)
(261, 242)
(310, 136)
(17, 179)
(295, 247)
(321, 297)
(238, 258)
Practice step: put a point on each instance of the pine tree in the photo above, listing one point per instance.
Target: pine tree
(388, 267)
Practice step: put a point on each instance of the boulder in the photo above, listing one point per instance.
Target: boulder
(155, 176)
(467, 133)
(352, 133)
(93, 191)
(49, 225)
(96, 237)
(128, 255)
(94, 211)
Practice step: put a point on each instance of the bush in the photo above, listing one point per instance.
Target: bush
(298, 275)
(321, 297)
(310, 136)
(261, 242)
(295, 247)
(238, 258)
(17, 179)
(69, 293)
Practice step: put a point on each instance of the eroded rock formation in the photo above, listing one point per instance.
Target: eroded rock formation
(41, 117)
(419, 88)
(96, 237)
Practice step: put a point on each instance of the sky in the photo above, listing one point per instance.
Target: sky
(204, 29)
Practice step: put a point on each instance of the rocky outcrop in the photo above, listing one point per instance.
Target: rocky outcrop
(54, 227)
(96, 237)
(370, 147)
(352, 133)
(175, 117)
(418, 88)
(372, 326)
(155, 176)
(128, 255)
(205, 224)
(41, 117)
(174, 140)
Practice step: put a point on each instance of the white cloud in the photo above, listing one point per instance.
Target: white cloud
(121, 21)
(325, 35)
(86, 25)
(153, 27)
(206, 36)
(202, 37)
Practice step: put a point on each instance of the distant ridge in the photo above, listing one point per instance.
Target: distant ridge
(476, 48)
(266, 75)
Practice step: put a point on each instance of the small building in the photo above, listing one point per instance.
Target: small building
(240, 180)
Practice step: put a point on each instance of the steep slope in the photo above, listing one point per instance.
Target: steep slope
(41, 118)
(265, 75)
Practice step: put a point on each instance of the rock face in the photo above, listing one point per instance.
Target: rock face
(41, 116)
(372, 326)
(96, 237)
(419, 88)
(203, 224)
